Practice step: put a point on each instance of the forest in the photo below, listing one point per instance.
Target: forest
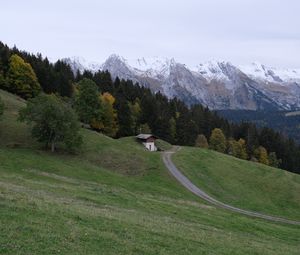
(121, 108)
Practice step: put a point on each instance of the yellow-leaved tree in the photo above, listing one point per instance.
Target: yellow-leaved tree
(261, 155)
(21, 78)
(109, 117)
(217, 140)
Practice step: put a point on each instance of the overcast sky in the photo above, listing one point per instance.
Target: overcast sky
(191, 31)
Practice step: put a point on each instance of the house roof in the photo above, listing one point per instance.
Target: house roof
(145, 136)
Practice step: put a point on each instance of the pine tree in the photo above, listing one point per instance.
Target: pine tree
(125, 120)
(1, 107)
(172, 130)
(145, 129)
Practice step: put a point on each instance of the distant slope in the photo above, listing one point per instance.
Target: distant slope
(240, 183)
(288, 123)
(113, 198)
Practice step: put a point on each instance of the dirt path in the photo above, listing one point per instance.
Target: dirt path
(200, 193)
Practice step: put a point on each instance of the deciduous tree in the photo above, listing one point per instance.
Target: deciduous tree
(21, 78)
(217, 140)
(87, 103)
(109, 116)
(243, 149)
(261, 155)
(52, 121)
(273, 160)
(201, 141)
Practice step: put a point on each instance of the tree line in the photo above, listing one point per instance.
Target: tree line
(120, 108)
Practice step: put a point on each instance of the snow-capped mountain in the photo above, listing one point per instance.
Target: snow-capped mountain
(259, 71)
(218, 85)
(80, 64)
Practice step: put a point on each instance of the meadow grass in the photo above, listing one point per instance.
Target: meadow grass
(113, 197)
(242, 183)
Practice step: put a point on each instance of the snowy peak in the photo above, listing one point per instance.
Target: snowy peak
(220, 70)
(270, 74)
(80, 64)
(260, 71)
(153, 67)
(115, 62)
(216, 84)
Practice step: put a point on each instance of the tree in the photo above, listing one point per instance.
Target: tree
(21, 78)
(52, 122)
(217, 140)
(124, 118)
(273, 160)
(87, 102)
(237, 148)
(243, 149)
(145, 129)
(233, 148)
(1, 106)
(109, 118)
(135, 109)
(201, 142)
(172, 130)
(261, 155)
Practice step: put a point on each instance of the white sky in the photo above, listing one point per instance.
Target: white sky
(191, 31)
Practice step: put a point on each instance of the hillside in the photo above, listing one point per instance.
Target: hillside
(285, 122)
(242, 183)
(113, 198)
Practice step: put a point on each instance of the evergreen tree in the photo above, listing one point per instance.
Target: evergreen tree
(21, 78)
(201, 142)
(64, 79)
(125, 120)
(145, 129)
(52, 121)
(217, 140)
(1, 107)
(87, 103)
(172, 130)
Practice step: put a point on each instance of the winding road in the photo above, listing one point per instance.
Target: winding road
(200, 193)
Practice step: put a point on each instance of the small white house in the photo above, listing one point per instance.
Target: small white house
(148, 141)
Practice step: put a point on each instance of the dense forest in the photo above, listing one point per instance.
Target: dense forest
(121, 108)
(288, 123)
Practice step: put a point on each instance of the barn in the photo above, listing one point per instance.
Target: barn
(148, 141)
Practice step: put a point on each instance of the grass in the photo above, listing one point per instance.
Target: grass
(162, 145)
(113, 198)
(242, 183)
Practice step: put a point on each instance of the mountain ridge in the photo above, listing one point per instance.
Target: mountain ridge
(218, 85)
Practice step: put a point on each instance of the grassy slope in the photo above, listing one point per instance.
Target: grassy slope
(96, 203)
(241, 183)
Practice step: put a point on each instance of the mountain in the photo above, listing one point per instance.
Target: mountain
(218, 85)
